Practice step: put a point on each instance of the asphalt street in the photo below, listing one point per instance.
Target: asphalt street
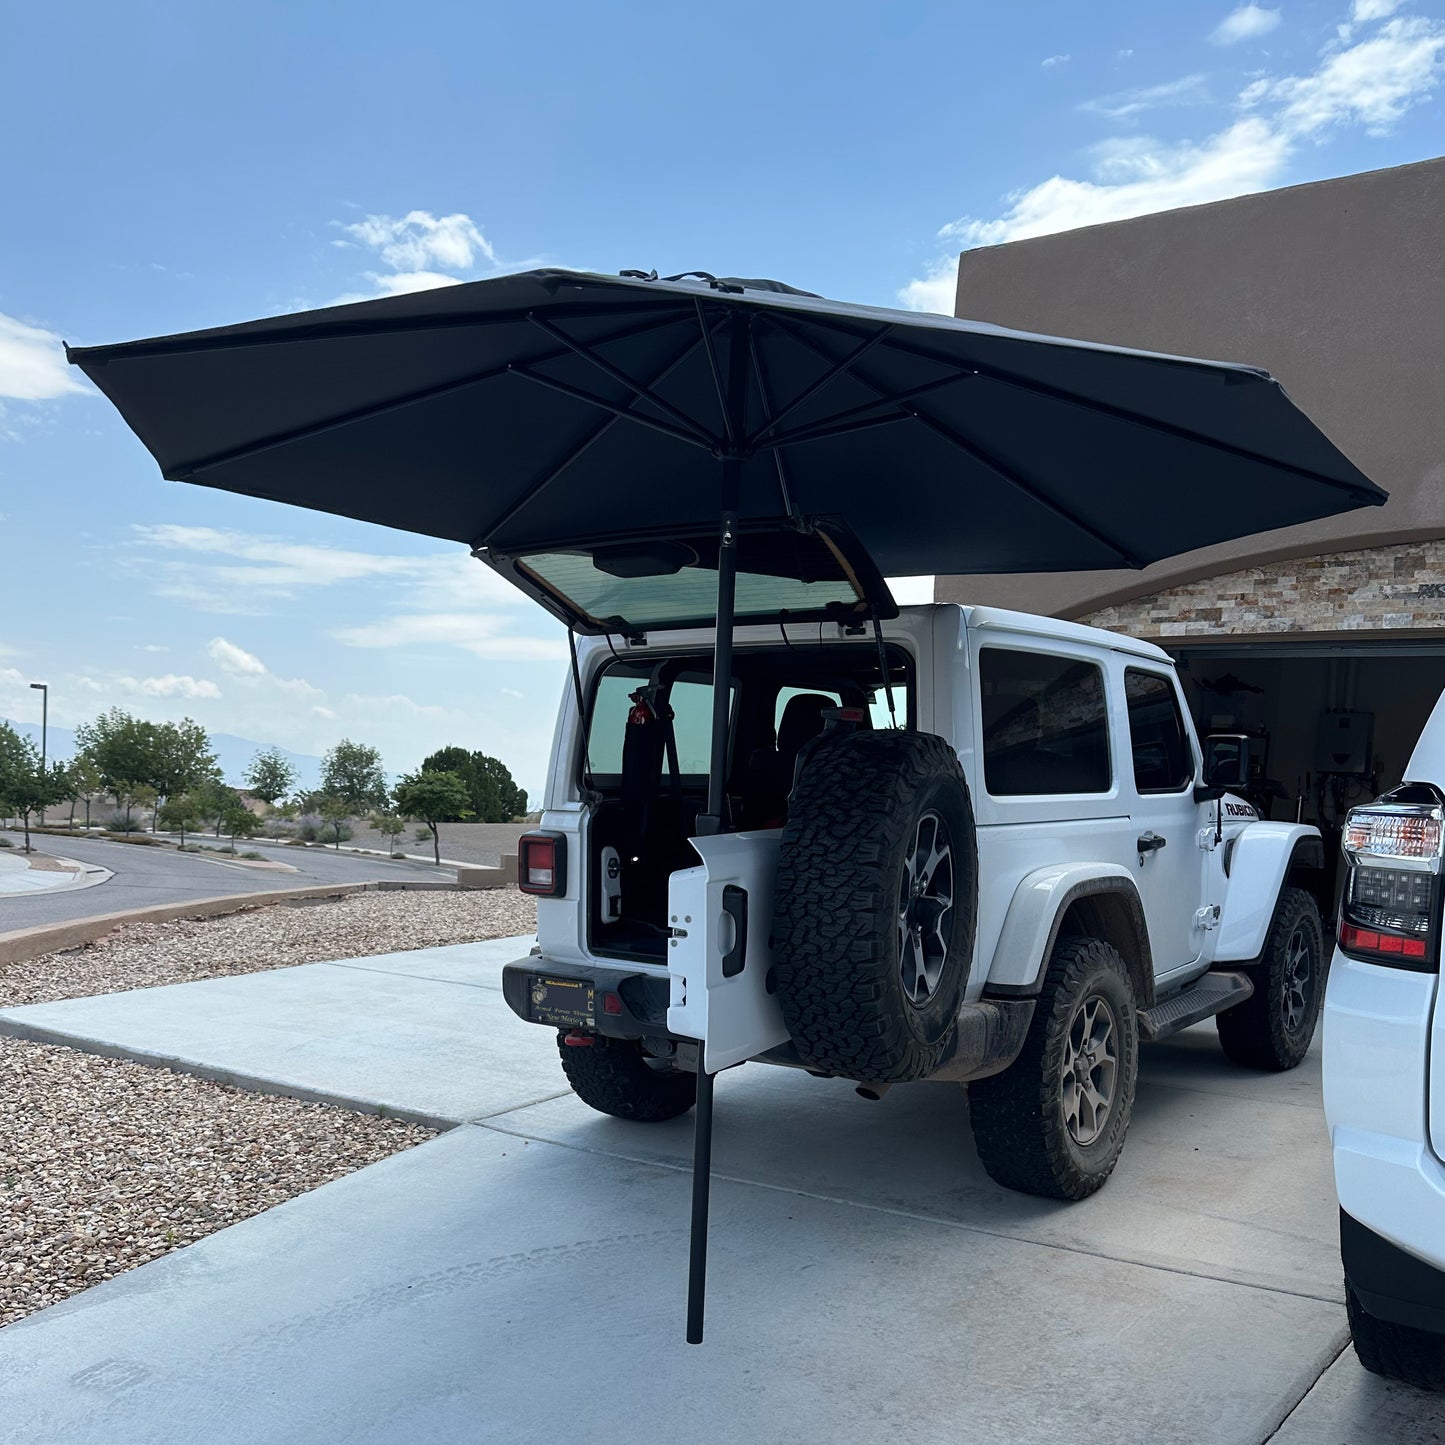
(145, 876)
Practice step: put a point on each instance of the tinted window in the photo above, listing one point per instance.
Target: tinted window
(1163, 761)
(692, 722)
(1045, 729)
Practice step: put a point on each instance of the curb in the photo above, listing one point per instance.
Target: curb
(24, 943)
(237, 1079)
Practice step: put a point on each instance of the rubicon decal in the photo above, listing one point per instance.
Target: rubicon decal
(1239, 810)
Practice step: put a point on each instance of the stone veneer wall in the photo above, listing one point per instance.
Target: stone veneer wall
(1377, 590)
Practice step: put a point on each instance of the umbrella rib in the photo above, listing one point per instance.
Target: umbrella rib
(823, 432)
(972, 450)
(810, 391)
(184, 471)
(622, 412)
(1154, 424)
(644, 393)
(820, 427)
(778, 463)
(595, 435)
(717, 381)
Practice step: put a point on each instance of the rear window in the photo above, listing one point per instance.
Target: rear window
(691, 725)
(1163, 759)
(1045, 728)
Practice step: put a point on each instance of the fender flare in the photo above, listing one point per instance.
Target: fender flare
(1036, 914)
(1260, 859)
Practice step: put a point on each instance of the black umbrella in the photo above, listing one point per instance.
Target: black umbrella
(638, 453)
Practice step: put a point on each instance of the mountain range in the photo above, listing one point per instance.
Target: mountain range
(232, 753)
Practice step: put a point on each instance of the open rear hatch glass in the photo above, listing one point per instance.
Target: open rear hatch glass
(814, 572)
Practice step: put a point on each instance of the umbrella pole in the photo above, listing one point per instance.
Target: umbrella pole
(713, 821)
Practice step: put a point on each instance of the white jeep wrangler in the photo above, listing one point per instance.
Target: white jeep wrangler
(966, 845)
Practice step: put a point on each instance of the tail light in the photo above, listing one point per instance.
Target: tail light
(1390, 902)
(542, 864)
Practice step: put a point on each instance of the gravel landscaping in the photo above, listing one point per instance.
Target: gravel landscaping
(143, 955)
(105, 1164)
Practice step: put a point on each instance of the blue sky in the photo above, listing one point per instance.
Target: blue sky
(172, 166)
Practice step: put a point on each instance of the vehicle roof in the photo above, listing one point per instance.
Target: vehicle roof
(1001, 619)
(989, 619)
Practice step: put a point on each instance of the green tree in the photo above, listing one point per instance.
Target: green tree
(352, 773)
(271, 775)
(213, 799)
(179, 812)
(180, 758)
(336, 811)
(238, 821)
(390, 827)
(432, 797)
(492, 795)
(122, 750)
(26, 785)
(81, 781)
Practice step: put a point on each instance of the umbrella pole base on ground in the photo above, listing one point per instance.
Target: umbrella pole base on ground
(701, 1180)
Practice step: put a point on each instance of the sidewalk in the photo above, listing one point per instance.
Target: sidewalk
(20, 874)
(521, 1277)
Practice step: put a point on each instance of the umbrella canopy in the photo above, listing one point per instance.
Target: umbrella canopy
(557, 413)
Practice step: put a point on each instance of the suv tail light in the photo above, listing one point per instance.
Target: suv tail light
(1390, 902)
(542, 864)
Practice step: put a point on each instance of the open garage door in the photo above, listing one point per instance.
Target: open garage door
(1330, 722)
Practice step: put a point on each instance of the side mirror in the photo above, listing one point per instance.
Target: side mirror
(1227, 760)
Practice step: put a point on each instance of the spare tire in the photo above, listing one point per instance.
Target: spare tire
(875, 905)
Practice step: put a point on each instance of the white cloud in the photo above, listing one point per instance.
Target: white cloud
(1367, 10)
(481, 635)
(171, 685)
(419, 240)
(230, 658)
(1187, 90)
(1053, 60)
(32, 364)
(1370, 83)
(150, 647)
(1248, 22)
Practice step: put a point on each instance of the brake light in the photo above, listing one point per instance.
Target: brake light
(542, 864)
(1390, 903)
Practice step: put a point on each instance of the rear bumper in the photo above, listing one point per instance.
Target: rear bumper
(1391, 1284)
(1391, 1186)
(640, 998)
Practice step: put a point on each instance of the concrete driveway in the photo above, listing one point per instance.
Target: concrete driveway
(521, 1277)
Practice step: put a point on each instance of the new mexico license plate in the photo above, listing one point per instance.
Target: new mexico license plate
(565, 1002)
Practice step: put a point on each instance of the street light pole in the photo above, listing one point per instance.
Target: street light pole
(43, 688)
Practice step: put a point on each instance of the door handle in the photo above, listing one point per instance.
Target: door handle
(1150, 843)
(735, 905)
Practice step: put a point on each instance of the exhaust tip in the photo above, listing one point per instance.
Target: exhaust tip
(872, 1091)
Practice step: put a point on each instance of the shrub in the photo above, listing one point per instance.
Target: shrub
(252, 853)
(308, 830)
(422, 835)
(6, 843)
(119, 823)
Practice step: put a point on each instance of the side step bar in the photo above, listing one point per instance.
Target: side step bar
(1200, 1000)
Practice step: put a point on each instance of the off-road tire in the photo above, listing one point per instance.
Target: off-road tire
(1256, 1033)
(1018, 1116)
(1398, 1352)
(838, 963)
(613, 1077)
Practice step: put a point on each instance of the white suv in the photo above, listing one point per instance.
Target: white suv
(1008, 874)
(1384, 1072)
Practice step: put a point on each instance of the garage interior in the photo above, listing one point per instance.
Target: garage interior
(1329, 724)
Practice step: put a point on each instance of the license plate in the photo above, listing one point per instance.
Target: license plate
(565, 1002)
